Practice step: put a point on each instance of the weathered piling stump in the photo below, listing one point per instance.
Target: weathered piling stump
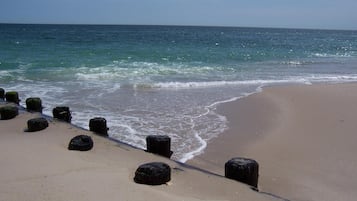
(98, 125)
(2, 94)
(243, 170)
(159, 144)
(12, 96)
(155, 173)
(8, 112)
(37, 124)
(34, 105)
(62, 113)
(81, 143)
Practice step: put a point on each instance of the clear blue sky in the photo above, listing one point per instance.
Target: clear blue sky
(326, 14)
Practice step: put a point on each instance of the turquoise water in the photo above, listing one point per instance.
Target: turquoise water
(165, 79)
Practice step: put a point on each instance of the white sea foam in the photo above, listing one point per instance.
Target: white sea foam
(333, 78)
(337, 55)
(202, 136)
(4, 73)
(294, 63)
(187, 156)
(124, 71)
(183, 85)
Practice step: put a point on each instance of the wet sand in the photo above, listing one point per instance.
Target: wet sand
(304, 138)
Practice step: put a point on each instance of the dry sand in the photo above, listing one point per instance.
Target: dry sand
(37, 167)
(304, 138)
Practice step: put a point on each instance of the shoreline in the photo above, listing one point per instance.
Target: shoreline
(38, 166)
(302, 136)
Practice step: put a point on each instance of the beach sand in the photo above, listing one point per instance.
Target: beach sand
(303, 137)
(37, 166)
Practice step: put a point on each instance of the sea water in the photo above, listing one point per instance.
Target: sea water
(164, 80)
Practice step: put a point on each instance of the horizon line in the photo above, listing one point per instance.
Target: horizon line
(176, 25)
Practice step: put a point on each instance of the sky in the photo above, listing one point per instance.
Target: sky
(321, 14)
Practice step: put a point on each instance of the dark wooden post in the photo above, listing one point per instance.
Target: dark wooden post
(2, 94)
(37, 124)
(12, 96)
(156, 173)
(98, 125)
(243, 170)
(159, 144)
(81, 143)
(34, 104)
(8, 112)
(62, 113)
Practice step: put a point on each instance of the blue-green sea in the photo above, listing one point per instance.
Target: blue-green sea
(164, 80)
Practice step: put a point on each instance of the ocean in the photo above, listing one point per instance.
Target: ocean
(165, 80)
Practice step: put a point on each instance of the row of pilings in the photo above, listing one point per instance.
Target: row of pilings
(240, 169)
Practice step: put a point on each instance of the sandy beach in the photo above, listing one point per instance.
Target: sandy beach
(304, 138)
(38, 166)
